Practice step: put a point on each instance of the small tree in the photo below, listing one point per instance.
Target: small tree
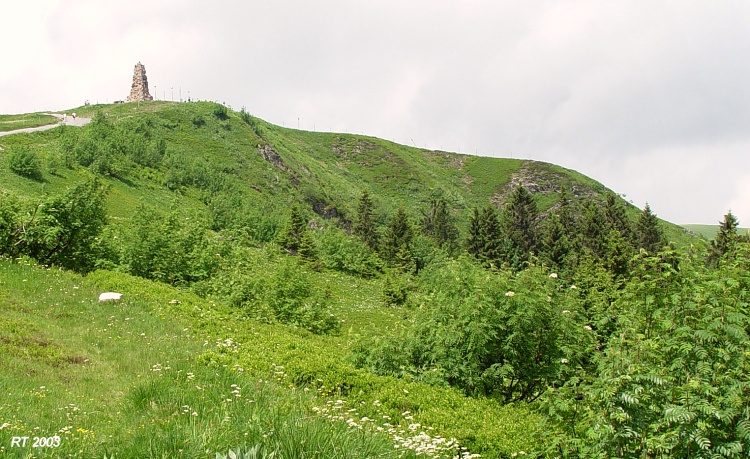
(649, 234)
(438, 223)
(296, 239)
(364, 222)
(726, 239)
(396, 239)
(25, 162)
(518, 220)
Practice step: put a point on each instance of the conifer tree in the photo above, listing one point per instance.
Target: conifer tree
(438, 224)
(364, 222)
(555, 245)
(296, 238)
(519, 220)
(592, 229)
(491, 236)
(616, 218)
(474, 241)
(649, 234)
(396, 239)
(726, 239)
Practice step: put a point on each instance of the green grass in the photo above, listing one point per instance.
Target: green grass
(151, 377)
(710, 231)
(13, 122)
(123, 379)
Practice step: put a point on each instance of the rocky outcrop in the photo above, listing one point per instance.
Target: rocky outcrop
(270, 155)
(139, 89)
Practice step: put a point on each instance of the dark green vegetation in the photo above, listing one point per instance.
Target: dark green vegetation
(378, 291)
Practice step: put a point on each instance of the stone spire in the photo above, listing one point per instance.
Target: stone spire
(139, 89)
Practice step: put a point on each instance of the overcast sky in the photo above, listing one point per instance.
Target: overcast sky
(651, 98)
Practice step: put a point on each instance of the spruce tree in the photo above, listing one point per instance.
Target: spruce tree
(438, 224)
(649, 234)
(555, 245)
(726, 239)
(364, 222)
(616, 217)
(519, 220)
(474, 240)
(396, 239)
(491, 236)
(294, 233)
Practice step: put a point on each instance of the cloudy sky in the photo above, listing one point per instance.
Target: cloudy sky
(651, 98)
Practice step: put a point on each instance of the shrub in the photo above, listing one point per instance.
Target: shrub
(220, 112)
(487, 333)
(63, 230)
(343, 253)
(25, 162)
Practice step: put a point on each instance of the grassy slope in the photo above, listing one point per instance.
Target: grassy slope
(326, 169)
(709, 231)
(13, 122)
(148, 377)
(322, 168)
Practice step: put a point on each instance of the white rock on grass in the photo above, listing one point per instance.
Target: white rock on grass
(109, 296)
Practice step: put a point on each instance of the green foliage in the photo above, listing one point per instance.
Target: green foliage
(342, 253)
(438, 223)
(487, 333)
(364, 225)
(63, 230)
(283, 291)
(395, 290)
(220, 112)
(296, 238)
(175, 248)
(518, 225)
(395, 242)
(726, 239)
(25, 162)
(649, 234)
(673, 380)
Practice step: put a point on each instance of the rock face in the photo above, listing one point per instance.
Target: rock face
(139, 89)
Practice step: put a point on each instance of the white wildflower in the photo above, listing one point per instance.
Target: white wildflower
(553, 276)
(509, 293)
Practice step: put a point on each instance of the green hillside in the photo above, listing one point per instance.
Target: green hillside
(328, 295)
(214, 156)
(710, 231)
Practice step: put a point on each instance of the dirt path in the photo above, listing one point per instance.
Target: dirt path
(69, 121)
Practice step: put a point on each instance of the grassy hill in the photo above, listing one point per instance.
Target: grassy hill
(215, 156)
(225, 357)
(710, 231)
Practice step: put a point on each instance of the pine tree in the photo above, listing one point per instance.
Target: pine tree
(296, 229)
(726, 239)
(438, 224)
(364, 222)
(649, 234)
(518, 224)
(616, 218)
(555, 245)
(474, 240)
(396, 239)
(491, 236)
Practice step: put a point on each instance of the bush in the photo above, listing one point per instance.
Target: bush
(25, 162)
(342, 253)
(487, 333)
(220, 112)
(63, 230)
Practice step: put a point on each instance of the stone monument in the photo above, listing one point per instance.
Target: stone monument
(139, 89)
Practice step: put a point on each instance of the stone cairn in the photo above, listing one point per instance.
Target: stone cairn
(139, 89)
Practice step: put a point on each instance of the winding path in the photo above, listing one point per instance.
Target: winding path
(69, 121)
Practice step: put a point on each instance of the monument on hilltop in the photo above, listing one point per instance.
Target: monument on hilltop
(139, 89)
